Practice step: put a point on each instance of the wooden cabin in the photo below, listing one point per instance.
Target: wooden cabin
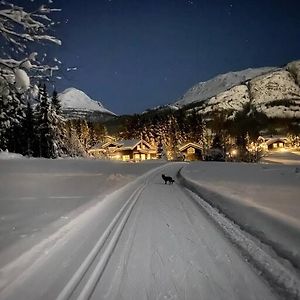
(191, 151)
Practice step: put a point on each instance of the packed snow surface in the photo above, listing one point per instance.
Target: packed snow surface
(37, 196)
(272, 186)
(167, 248)
(262, 198)
(55, 212)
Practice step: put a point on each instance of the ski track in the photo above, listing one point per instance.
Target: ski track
(171, 250)
(160, 245)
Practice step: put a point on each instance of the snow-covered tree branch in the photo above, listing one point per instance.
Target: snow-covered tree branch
(18, 29)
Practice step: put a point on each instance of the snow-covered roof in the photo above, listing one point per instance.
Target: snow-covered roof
(129, 143)
(274, 140)
(194, 145)
(102, 145)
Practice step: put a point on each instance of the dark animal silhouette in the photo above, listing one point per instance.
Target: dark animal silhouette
(167, 179)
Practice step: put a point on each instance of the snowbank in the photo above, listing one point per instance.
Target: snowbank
(9, 155)
(262, 199)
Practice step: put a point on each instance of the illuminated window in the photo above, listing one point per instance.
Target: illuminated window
(143, 156)
(136, 156)
(126, 157)
(274, 145)
(191, 150)
(281, 145)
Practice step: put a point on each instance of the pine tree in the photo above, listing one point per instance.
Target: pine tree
(96, 133)
(44, 126)
(73, 144)
(195, 128)
(58, 127)
(11, 116)
(5, 123)
(56, 103)
(29, 133)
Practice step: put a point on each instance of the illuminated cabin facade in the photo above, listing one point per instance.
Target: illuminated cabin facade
(276, 143)
(191, 151)
(125, 150)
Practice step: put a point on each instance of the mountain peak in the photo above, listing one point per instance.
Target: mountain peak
(75, 99)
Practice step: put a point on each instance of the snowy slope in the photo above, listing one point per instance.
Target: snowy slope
(234, 99)
(205, 90)
(75, 102)
(294, 68)
(277, 85)
(276, 94)
(273, 91)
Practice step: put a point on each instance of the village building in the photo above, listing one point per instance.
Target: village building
(125, 150)
(104, 149)
(274, 143)
(191, 151)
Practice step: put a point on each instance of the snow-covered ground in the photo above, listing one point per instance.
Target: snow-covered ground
(88, 229)
(38, 196)
(262, 198)
(283, 157)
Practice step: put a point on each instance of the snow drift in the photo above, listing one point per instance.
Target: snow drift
(262, 199)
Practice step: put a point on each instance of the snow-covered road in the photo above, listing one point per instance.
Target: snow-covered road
(147, 240)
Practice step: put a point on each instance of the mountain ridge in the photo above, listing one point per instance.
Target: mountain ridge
(218, 84)
(272, 90)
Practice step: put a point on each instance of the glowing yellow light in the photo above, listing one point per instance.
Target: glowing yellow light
(234, 152)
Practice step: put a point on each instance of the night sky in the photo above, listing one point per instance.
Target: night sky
(137, 54)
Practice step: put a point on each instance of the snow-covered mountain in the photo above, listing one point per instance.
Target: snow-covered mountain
(274, 91)
(205, 90)
(76, 104)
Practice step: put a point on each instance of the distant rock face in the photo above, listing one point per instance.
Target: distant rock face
(274, 91)
(76, 104)
(277, 85)
(232, 99)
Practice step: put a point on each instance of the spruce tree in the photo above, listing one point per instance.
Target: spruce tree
(29, 132)
(11, 116)
(44, 126)
(58, 127)
(56, 103)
